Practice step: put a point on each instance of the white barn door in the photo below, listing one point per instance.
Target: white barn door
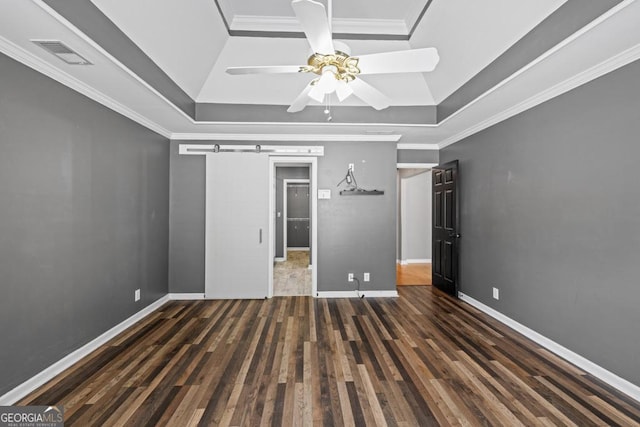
(237, 226)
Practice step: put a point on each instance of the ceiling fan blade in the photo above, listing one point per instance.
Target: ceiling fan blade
(404, 61)
(343, 90)
(369, 94)
(301, 101)
(274, 69)
(315, 24)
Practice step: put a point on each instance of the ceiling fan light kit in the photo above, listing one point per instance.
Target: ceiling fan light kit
(339, 72)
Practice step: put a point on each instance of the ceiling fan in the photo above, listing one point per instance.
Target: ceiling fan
(339, 72)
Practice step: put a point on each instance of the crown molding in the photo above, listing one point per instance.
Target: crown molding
(283, 137)
(611, 64)
(546, 55)
(32, 61)
(254, 23)
(65, 22)
(409, 146)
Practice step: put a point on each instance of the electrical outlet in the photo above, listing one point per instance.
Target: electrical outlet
(496, 293)
(367, 277)
(352, 167)
(136, 295)
(350, 277)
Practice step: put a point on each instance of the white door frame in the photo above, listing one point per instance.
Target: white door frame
(426, 167)
(285, 213)
(312, 162)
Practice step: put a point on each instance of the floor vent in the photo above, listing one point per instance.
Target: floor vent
(62, 51)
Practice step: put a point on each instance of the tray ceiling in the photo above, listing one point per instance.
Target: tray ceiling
(497, 58)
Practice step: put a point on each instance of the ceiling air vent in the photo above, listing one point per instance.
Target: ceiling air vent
(62, 51)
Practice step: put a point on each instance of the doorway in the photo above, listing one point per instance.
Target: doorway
(414, 209)
(295, 230)
(296, 208)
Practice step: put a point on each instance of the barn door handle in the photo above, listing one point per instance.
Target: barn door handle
(260, 236)
(456, 235)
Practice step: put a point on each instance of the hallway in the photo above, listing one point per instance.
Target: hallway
(293, 276)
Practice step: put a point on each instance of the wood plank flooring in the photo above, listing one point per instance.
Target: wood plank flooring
(413, 274)
(418, 360)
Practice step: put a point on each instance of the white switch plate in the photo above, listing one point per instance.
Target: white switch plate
(324, 194)
(496, 293)
(136, 295)
(367, 277)
(350, 277)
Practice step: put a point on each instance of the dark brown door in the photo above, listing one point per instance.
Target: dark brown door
(446, 226)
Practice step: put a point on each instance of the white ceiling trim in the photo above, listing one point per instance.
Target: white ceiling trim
(586, 76)
(106, 54)
(40, 65)
(283, 137)
(27, 58)
(402, 146)
(331, 124)
(611, 12)
(115, 61)
(340, 25)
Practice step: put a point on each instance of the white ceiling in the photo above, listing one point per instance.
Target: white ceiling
(189, 41)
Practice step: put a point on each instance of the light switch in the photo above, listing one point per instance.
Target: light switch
(324, 194)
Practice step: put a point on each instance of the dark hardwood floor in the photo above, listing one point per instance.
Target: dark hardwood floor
(420, 359)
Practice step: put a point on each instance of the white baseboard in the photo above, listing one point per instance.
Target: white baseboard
(297, 249)
(415, 261)
(66, 362)
(356, 294)
(607, 376)
(280, 259)
(185, 296)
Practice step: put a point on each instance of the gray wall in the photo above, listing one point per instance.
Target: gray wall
(83, 220)
(355, 233)
(550, 214)
(415, 218)
(187, 221)
(418, 156)
(283, 173)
